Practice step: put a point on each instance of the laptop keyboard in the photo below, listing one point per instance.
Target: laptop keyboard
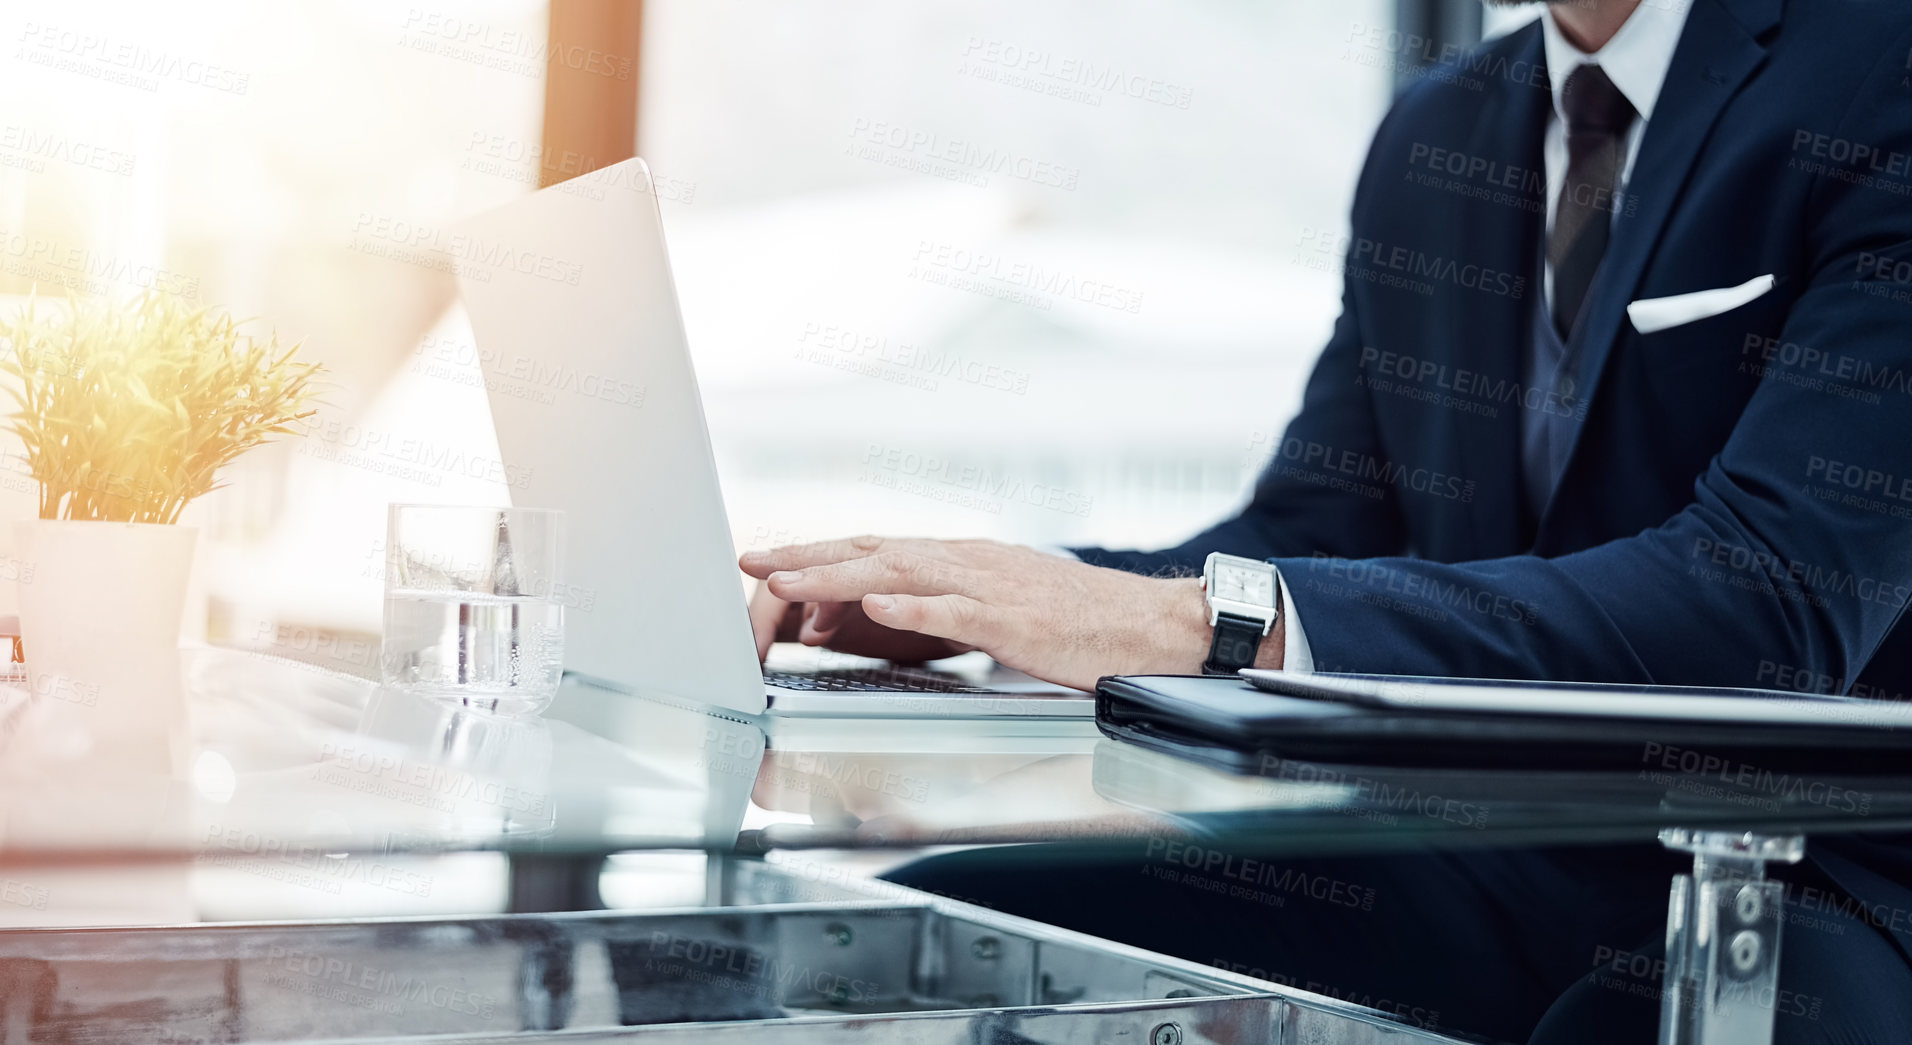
(871, 680)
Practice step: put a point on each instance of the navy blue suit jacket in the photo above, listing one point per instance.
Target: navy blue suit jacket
(1736, 509)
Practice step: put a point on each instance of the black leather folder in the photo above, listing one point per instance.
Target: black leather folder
(1226, 722)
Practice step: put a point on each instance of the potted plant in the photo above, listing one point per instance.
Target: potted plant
(127, 411)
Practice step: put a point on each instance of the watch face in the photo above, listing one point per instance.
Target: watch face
(1255, 587)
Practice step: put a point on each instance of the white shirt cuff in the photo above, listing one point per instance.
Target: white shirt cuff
(1295, 654)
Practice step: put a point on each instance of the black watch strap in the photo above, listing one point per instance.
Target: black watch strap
(1236, 641)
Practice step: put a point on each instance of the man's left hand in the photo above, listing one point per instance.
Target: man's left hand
(1057, 619)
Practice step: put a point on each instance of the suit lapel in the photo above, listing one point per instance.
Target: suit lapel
(1505, 238)
(1717, 52)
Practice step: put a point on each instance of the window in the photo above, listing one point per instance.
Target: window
(1004, 269)
(985, 268)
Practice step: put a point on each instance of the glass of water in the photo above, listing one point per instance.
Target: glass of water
(473, 610)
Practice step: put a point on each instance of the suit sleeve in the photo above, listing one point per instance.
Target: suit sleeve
(1757, 569)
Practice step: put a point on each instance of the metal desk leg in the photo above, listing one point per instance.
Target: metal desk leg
(1722, 938)
(547, 961)
(542, 883)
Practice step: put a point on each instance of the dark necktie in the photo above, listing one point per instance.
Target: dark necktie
(1597, 119)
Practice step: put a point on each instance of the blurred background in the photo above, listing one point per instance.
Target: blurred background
(293, 161)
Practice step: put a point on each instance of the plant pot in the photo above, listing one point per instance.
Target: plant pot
(100, 607)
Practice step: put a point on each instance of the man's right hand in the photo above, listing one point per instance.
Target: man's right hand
(841, 626)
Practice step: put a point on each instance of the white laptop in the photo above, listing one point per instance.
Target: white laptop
(597, 413)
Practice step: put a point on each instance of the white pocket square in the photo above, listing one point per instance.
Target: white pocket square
(1651, 314)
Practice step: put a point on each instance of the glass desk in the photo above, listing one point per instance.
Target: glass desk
(290, 775)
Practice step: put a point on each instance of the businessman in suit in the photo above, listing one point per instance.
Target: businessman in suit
(1621, 391)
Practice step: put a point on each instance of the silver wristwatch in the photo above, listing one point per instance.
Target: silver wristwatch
(1243, 605)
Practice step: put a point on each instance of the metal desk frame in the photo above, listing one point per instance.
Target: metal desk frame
(1723, 926)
